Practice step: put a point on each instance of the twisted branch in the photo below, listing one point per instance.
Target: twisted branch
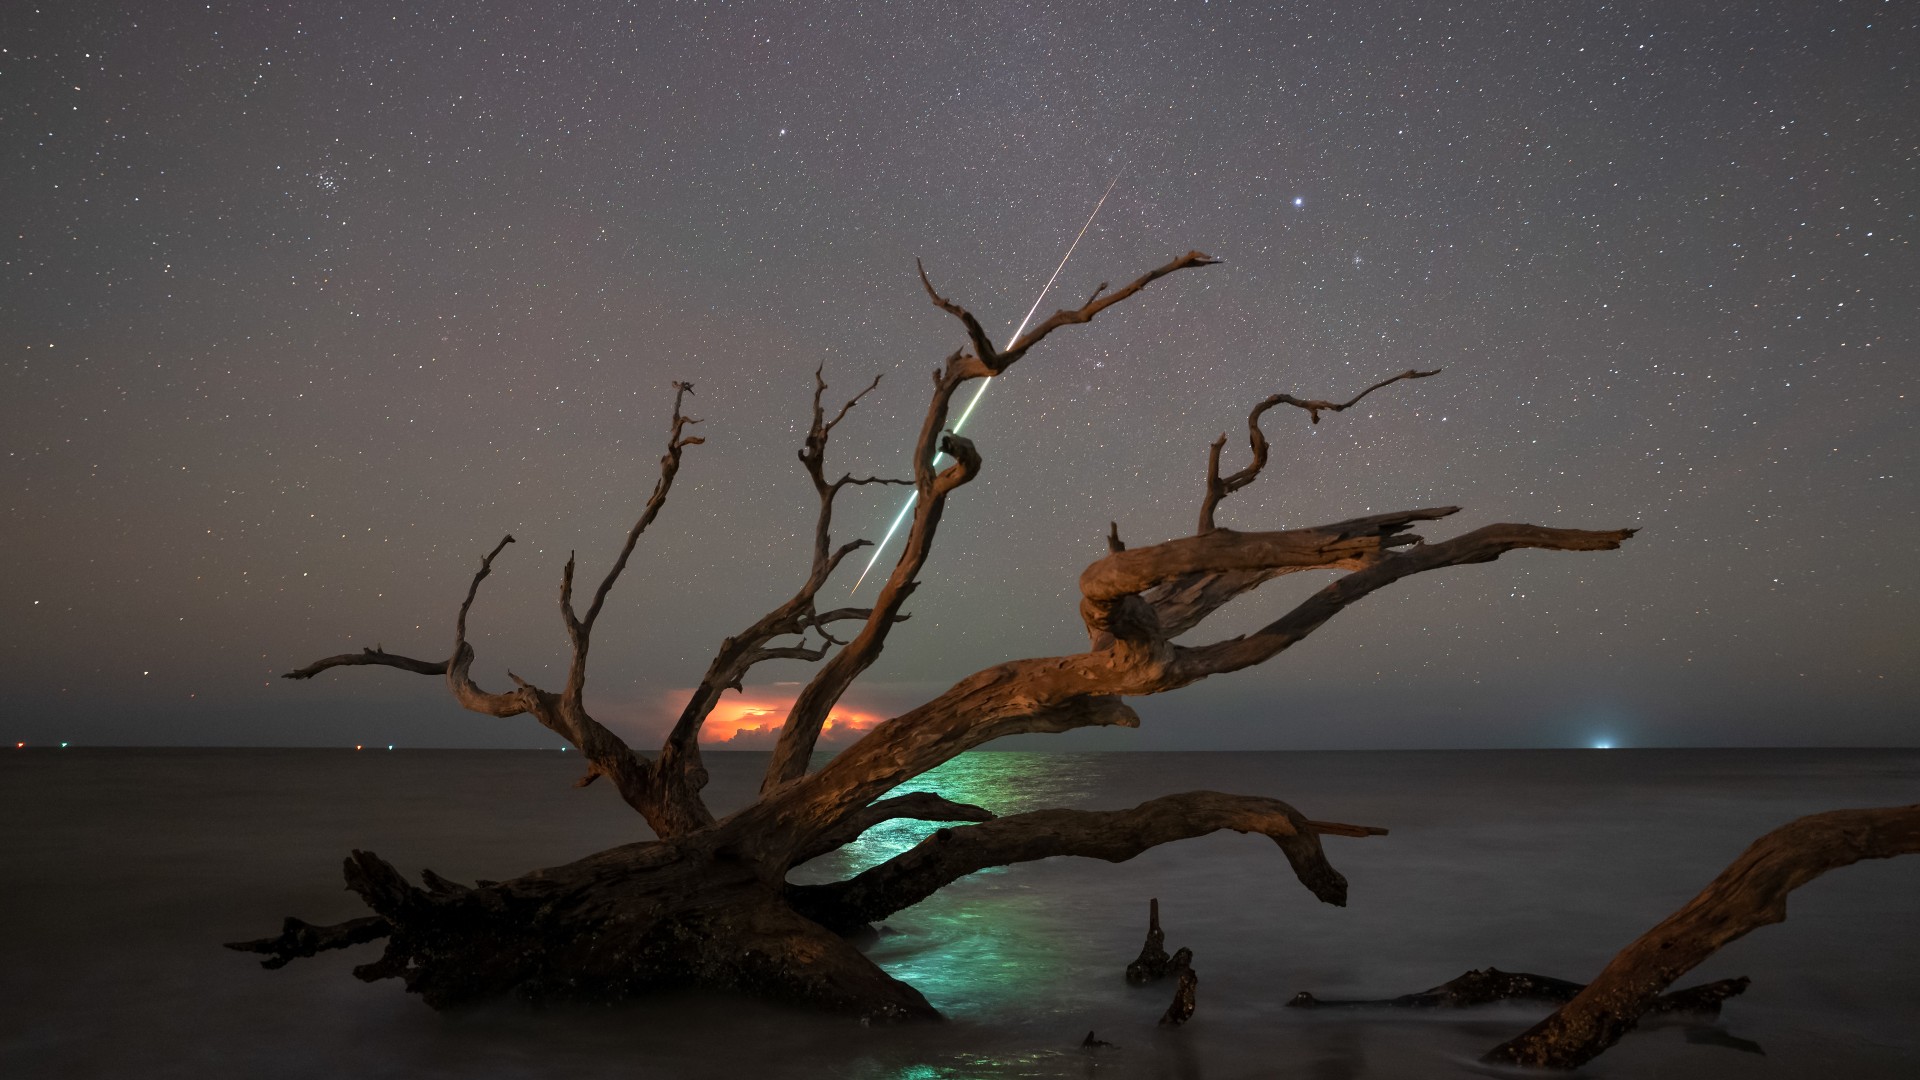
(1219, 487)
(1113, 835)
(1748, 894)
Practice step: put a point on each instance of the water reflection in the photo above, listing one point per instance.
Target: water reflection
(971, 946)
(1003, 781)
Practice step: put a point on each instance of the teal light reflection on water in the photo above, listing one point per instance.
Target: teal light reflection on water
(981, 943)
(1005, 782)
(982, 1067)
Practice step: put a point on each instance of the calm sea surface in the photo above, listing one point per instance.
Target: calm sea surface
(121, 871)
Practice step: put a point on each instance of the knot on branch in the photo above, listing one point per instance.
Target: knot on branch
(966, 463)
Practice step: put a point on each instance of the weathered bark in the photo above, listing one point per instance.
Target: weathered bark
(1488, 985)
(708, 904)
(1748, 894)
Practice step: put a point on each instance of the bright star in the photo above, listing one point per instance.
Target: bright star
(1298, 201)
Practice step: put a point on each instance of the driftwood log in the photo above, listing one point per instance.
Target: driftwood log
(1488, 985)
(1750, 893)
(707, 903)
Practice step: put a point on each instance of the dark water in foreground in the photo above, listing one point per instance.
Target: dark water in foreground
(121, 871)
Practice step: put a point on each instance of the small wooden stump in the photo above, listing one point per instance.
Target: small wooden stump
(1153, 963)
(1181, 1010)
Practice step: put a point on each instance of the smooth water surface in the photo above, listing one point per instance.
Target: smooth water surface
(121, 871)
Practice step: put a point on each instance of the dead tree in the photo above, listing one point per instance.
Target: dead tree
(708, 903)
(1750, 893)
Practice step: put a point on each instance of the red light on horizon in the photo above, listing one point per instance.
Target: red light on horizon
(756, 720)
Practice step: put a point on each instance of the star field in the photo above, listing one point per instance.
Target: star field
(304, 306)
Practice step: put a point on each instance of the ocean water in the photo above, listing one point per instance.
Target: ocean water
(121, 871)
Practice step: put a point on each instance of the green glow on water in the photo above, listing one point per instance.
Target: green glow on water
(1005, 782)
(974, 945)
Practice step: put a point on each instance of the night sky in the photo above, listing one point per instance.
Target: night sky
(304, 305)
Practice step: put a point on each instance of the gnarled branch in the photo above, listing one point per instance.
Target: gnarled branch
(1095, 304)
(1113, 835)
(1219, 487)
(1064, 692)
(1481, 545)
(1748, 894)
(1231, 559)
(1315, 407)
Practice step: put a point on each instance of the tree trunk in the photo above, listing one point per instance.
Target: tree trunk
(619, 924)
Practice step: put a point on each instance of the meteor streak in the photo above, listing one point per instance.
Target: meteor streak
(981, 392)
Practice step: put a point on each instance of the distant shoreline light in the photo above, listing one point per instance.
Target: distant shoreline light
(1603, 744)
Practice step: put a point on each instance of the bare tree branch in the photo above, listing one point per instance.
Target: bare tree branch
(1343, 545)
(1315, 408)
(669, 468)
(679, 769)
(1094, 306)
(1113, 835)
(374, 656)
(982, 345)
(1219, 487)
(1748, 894)
(459, 667)
(473, 590)
(1481, 545)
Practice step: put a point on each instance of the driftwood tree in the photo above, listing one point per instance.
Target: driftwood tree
(1750, 893)
(708, 902)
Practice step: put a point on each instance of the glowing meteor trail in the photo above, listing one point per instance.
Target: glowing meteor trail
(981, 392)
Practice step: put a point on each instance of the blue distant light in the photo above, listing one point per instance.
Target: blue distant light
(1299, 201)
(1603, 744)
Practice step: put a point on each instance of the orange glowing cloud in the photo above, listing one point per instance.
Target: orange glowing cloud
(752, 720)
